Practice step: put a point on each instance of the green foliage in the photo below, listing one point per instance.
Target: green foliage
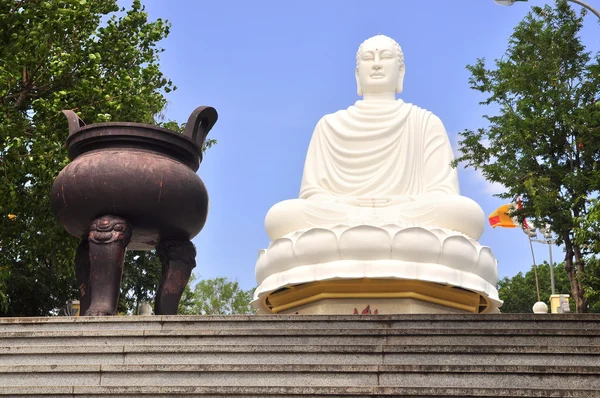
(588, 235)
(542, 144)
(591, 284)
(218, 296)
(519, 292)
(57, 55)
(140, 280)
(172, 125)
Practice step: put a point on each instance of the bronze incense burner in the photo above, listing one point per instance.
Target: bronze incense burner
(135, 186)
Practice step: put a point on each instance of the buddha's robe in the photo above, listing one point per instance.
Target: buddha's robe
(378, 163)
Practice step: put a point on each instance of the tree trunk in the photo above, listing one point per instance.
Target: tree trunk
(572, 268)
(582, 303)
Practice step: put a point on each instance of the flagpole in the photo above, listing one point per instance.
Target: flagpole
(548, 235)
(548, 241)
(551, 267)
(537, 285)
(505, 216)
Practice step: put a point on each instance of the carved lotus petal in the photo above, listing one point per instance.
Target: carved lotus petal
(416, 244)
(281, 255)
(365, 242)
(439, 233)
(486, 267)
(316, 246)
(261, 271)
(459, 253)
(294, 235)
(339, 229)
(391, 228)
(496, 273)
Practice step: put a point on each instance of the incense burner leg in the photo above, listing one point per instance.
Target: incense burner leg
(178, 259)
(108, 239)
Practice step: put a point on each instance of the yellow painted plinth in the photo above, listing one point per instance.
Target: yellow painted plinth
(391, 295)
(555, 302)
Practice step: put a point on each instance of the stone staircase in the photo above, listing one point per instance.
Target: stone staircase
(551, 355)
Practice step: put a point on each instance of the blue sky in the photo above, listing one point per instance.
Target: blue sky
(272, 69)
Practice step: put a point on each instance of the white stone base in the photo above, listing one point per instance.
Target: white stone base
(394, 252)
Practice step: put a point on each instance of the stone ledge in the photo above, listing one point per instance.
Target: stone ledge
(595, 332)
(290, 392)
(305, 368)
(304, 348)
(202, 319)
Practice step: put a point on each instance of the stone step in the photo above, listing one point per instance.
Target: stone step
(301, 354)
(289, 392)
(409, 355)
(305, 336)
(278, 322)
(291, 349)
(305, 331)
(453, 376)
(324, 321)
(429, 336)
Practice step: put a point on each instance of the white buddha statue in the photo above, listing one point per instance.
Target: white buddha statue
(380, 222)
(381, 161)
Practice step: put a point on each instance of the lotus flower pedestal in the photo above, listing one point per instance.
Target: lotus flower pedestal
(367, 269)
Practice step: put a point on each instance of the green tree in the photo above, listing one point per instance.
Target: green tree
(591, 283)
(519, 292)
(57, 55)
(218, 296)
(589, 233)
(542, 143)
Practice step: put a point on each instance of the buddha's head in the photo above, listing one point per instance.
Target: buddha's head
(379, 66)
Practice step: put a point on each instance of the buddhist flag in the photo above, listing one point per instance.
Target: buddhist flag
(501, 217)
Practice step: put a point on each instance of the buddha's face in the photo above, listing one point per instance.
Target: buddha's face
(378, 68)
